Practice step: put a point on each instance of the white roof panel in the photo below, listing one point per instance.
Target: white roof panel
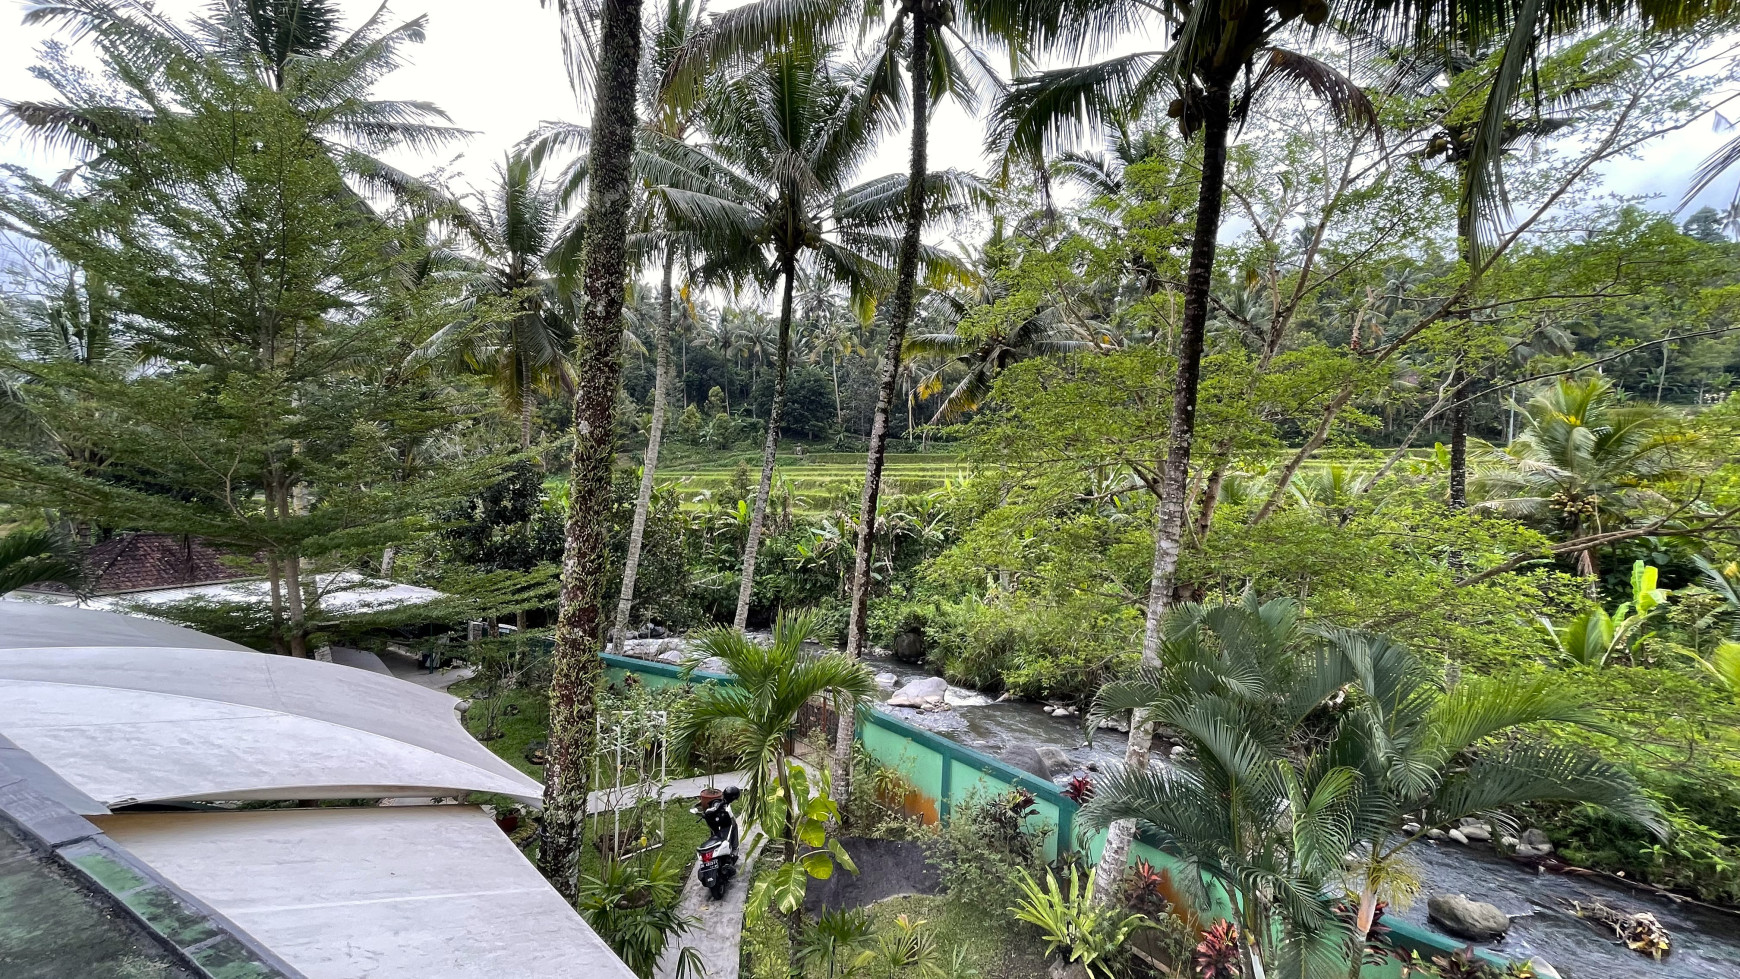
(396, 892)
(172, 723)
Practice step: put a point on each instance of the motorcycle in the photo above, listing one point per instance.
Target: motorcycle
(717, 858)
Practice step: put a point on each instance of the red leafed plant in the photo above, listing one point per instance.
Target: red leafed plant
(1080, 789)
(1217, 955)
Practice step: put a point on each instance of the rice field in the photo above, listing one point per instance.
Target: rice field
(817, 477)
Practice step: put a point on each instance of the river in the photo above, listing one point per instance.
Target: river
(1706, 944)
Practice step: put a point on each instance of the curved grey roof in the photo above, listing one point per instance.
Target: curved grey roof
(394, 892)
(25, 624)
(130, 724)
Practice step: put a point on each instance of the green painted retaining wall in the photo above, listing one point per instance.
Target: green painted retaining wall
(944, 773)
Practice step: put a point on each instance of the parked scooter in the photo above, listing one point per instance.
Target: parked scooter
(718, 856)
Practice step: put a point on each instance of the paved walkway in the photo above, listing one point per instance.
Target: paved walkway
(604, 800)
(717, 929)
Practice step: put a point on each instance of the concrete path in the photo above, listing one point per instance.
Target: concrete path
(604, 800)
(717, 928)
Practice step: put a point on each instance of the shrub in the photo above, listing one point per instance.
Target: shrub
(981, 847)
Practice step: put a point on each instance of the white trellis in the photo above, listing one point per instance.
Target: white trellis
(631, 763)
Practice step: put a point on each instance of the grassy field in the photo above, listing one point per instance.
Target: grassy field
(814, 476)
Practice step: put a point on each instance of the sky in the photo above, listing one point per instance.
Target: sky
(496, 67)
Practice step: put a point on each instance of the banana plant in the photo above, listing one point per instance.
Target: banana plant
(800, 813)
(1595, 638)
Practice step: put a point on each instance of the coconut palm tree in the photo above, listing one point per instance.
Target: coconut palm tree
(788, 130)
(38, 557)
(1304, 746)
(757, 715)
(295, 47)
(977, 359)
(513, 228)
(1581, 464)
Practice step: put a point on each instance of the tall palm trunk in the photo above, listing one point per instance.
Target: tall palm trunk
(525, 404)
(649, 465)
(788, 269)
(1459, 442)
(899, 317)
(1169, 519)
(1460, 409)
(576, 667)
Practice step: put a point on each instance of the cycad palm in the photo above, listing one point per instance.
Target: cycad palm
(1305, 747)
(755, 716)
(1581, 463)
(38, 557)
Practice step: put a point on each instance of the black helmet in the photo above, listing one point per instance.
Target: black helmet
(731, 794)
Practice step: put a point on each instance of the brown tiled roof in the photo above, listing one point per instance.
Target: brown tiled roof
(142, 561)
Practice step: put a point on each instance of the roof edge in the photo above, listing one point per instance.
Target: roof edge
(187, 928)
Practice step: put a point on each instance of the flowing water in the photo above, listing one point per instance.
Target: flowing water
(1706, 943)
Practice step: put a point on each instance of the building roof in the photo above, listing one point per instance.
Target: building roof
(137, 561)
(412, 891)
(128, 725)
(73, 903)
(388, 892)
(25, 624)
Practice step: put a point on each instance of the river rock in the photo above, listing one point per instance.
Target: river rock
(1509, 842)
(1535, 837)
(1534, 845)
(1477, 833)
(1177, 751)
(918, 693)
(1459, 836)
(887, 680)
(909, 646)
(712, 664)
(1025, 757)
(1114, 724)
(1475, 921)
(1056, 762)
(1436, 834)
(671, 657)
(1410, 828)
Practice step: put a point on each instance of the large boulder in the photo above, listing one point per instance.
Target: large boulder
(909, 646)
(927, 691)
(1056, 762)
(1475, 921)
(1025, 757)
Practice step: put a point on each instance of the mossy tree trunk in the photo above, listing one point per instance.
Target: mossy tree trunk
(577, 669)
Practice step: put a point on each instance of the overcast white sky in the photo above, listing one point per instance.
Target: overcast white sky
(495, 66)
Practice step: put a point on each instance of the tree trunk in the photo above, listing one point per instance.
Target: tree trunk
(1181, 435)
(294, 598)
(1312, 444)
(525, 405)
(650, 464)
(1459, 412)
(899, 318)
(275, 576)
(759, 515)
(576, 669)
